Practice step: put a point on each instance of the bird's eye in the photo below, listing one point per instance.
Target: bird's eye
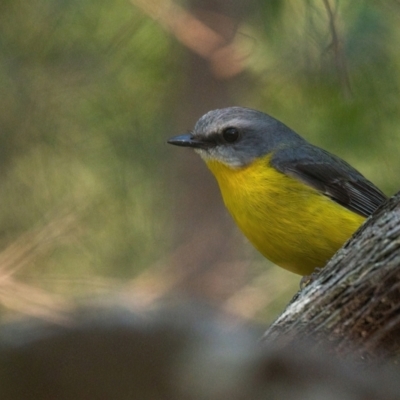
(230, 135)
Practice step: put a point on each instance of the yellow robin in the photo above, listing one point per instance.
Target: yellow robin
(295, 202)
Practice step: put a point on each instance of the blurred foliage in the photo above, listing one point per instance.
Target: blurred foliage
(90, 92)
(303, 80)
(78, 127)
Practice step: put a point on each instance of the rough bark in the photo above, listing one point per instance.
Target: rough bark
(354, 302)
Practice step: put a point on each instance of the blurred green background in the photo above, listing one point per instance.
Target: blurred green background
(92, 198)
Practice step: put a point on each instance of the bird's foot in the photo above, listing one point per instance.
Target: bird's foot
(307, 279)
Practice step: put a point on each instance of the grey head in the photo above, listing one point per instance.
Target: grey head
(236, 136)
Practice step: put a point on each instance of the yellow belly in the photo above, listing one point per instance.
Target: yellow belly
(290, 223)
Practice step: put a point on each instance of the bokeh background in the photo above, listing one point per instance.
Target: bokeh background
(92, 199)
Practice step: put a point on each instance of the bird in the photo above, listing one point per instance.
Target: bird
(295, 202)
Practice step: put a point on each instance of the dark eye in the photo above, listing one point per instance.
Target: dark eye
(230, 135)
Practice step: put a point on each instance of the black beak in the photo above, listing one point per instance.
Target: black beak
(187, 140)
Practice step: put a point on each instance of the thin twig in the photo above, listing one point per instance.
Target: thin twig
(340, 60)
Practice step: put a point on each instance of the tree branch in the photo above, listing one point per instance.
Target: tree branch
(355, 301)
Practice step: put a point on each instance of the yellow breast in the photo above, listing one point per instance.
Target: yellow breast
(290, 223)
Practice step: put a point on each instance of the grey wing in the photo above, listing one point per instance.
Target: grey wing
(331, 176)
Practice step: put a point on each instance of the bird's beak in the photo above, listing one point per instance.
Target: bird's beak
(187, 140)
